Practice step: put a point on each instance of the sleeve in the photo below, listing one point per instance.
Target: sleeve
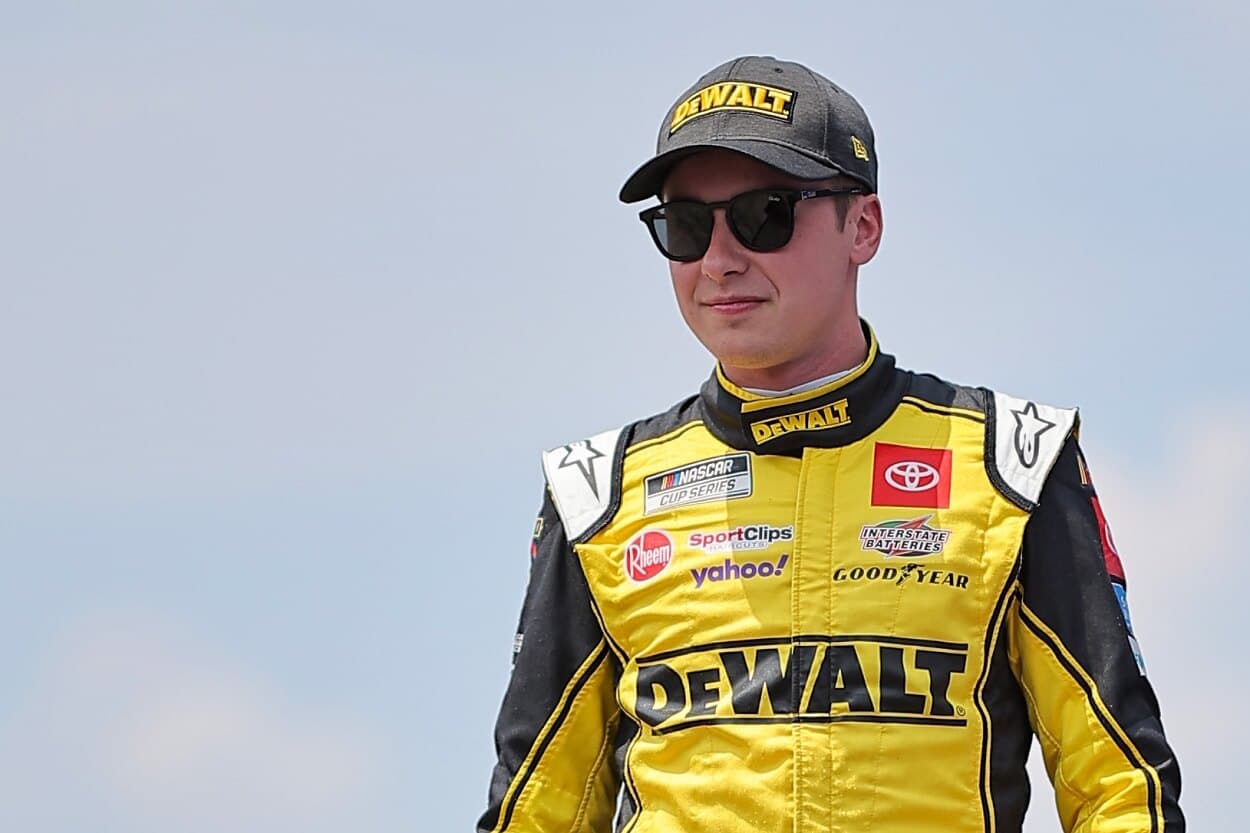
(1091, 706)
(554, 735)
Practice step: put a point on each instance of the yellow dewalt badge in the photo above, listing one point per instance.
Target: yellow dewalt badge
(817, 419)
(734, 95)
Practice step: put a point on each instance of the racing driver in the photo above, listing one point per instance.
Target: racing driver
(824, 593)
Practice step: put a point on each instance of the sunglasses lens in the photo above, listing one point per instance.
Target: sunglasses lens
(763, 220)
(683, 230)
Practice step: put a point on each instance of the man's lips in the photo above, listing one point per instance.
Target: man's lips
(733, 304)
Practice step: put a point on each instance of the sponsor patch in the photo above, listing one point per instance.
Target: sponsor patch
(731, 570)
(909, 539)
(773, 102)
(895, 678)
(716, 478)
(903, 475)
(907, 574)
(1030, 426)
(538, 533)
(833, 415)
(1121, 596)
(1086, 480)
(1110, 555)
(752, 537)
(517, 641)
(648, 554)
(1115, 571)
(582, 455)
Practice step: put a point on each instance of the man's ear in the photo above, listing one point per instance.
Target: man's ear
(868, 228)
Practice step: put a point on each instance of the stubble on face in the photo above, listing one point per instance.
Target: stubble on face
(772, 319)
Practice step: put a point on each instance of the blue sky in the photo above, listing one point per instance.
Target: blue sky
(293, 292)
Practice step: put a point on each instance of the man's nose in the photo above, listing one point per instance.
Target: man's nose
(724, 256)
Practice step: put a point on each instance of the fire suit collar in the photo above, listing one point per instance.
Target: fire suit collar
(836, 414)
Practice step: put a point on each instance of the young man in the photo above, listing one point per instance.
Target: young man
(824, 594)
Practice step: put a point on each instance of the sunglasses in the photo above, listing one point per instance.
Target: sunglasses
(763, 221)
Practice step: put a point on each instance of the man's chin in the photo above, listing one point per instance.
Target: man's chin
(745, 359)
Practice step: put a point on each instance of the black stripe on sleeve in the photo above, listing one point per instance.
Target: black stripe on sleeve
(557, 636)
(1105, 719)
(1067, 588)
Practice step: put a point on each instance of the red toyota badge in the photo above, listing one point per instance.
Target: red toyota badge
(903, 475)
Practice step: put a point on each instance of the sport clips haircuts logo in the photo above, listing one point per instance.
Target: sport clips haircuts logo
(749, 537)
(734, 95)
(648, 554)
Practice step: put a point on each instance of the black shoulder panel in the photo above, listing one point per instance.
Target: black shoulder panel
(684, 412)
(938, 391)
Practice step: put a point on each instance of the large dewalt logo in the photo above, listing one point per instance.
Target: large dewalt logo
(735, 95)
(865, 679)
(817, 419)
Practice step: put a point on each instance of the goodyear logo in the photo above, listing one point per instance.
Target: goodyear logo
(819, 679)
(735, 95)
(833, 415)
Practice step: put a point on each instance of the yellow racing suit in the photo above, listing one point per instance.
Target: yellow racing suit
(849, 609)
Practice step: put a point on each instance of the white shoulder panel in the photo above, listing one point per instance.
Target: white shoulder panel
(1028, 437)
(580, 477)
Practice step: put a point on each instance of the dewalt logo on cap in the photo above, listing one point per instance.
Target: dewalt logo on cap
(735, 95)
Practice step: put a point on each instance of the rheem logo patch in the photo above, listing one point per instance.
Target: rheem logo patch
(648, 554)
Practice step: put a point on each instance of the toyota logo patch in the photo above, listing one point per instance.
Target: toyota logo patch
(908, 475)
(912, 476)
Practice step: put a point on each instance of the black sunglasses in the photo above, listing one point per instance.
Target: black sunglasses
(763, 221)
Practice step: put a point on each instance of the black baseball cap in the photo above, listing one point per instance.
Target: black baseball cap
(779, 112)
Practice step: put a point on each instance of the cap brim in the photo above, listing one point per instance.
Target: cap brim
(649, 179)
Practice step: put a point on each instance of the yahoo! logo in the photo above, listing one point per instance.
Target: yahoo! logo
(729, 569)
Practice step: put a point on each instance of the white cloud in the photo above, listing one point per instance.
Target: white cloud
(133, 725)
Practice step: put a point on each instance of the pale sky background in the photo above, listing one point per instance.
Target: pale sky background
(293, 293)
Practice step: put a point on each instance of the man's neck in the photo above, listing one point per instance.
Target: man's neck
(801, 373)
(803, 388)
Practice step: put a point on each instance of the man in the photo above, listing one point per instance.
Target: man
(824, 594)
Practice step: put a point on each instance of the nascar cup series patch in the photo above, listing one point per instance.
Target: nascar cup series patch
(716, 478)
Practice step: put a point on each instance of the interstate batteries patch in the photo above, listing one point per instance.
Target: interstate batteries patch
(717, 478)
